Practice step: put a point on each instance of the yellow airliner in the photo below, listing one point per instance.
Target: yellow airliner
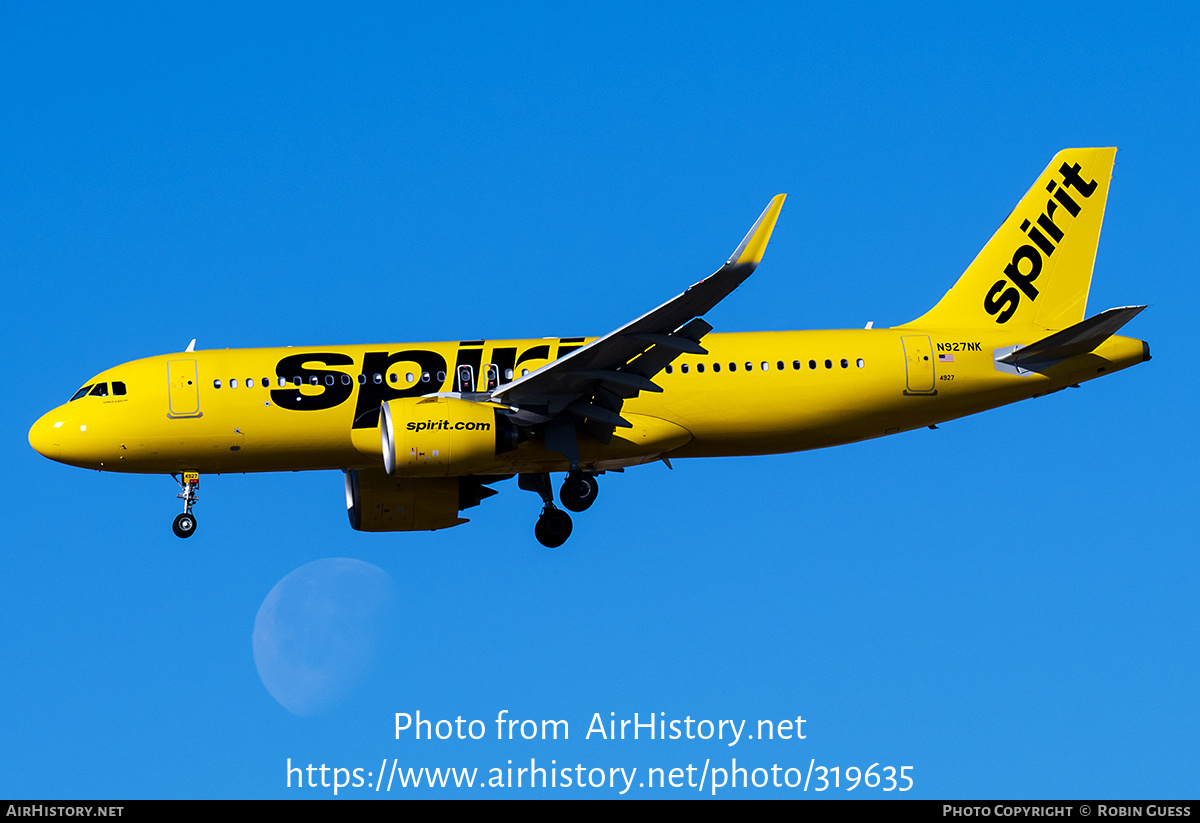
(422, 429)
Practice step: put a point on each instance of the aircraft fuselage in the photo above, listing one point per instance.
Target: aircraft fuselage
(315, 408)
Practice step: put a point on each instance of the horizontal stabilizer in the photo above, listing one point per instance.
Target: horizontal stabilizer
(1081, 338)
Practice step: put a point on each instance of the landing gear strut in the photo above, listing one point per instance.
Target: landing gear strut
(578, 491)
(185, 524)
(553, 525)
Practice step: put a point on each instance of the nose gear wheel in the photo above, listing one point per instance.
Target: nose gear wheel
(184, 525)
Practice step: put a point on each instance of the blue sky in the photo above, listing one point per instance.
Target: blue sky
(1006, 604)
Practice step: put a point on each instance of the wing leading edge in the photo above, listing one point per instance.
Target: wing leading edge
(591, 383)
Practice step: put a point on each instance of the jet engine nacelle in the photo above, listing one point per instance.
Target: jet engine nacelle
(442, 436)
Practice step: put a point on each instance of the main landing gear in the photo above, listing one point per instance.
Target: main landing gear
(553, 527)
(185, 524)
(577, 493)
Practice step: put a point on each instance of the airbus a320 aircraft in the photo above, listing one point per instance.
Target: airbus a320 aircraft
(421, 430)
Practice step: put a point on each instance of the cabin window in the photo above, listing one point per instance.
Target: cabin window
(266, 382)
(313, 380)
(408, 378)
(329, 380)
(733, 366)
(249, 382)
(282, 382)
(829, 364)
(362, 380)
(716, 367)
(700, 368)
(118, 388)
(424, 377)
(779, 365)
(508, 374)
(860, 363)
(81, 392)
(346, 380)
(766, 366)
(796, 365)
(216, 384)
(812, 364)
(233, 383)
(441, 377)
(668, 369)
(845, 363)
(749, 367)
(683, 368)
(393, 377)
(378, 378)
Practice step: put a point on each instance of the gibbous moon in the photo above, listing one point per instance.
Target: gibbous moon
(319, 631)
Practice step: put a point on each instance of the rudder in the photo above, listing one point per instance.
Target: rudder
(1037, 268)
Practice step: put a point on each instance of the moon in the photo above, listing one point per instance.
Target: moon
(320, 630)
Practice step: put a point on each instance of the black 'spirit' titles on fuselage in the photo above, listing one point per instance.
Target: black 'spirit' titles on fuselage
(1004, 296)
(372, 394)
(332, 391)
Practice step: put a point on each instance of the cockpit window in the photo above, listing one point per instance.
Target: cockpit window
(81, 392)
(99, 390)
(118, 388)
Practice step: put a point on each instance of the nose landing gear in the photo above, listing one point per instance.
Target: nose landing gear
(185, 524)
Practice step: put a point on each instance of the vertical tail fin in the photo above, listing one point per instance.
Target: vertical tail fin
(1037, 268)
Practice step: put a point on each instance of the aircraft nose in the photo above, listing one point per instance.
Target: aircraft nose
(46, 435)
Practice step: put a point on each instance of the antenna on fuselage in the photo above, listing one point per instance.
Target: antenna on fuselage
(191, 346)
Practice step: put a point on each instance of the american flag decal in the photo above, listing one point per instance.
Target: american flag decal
(945, 358)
